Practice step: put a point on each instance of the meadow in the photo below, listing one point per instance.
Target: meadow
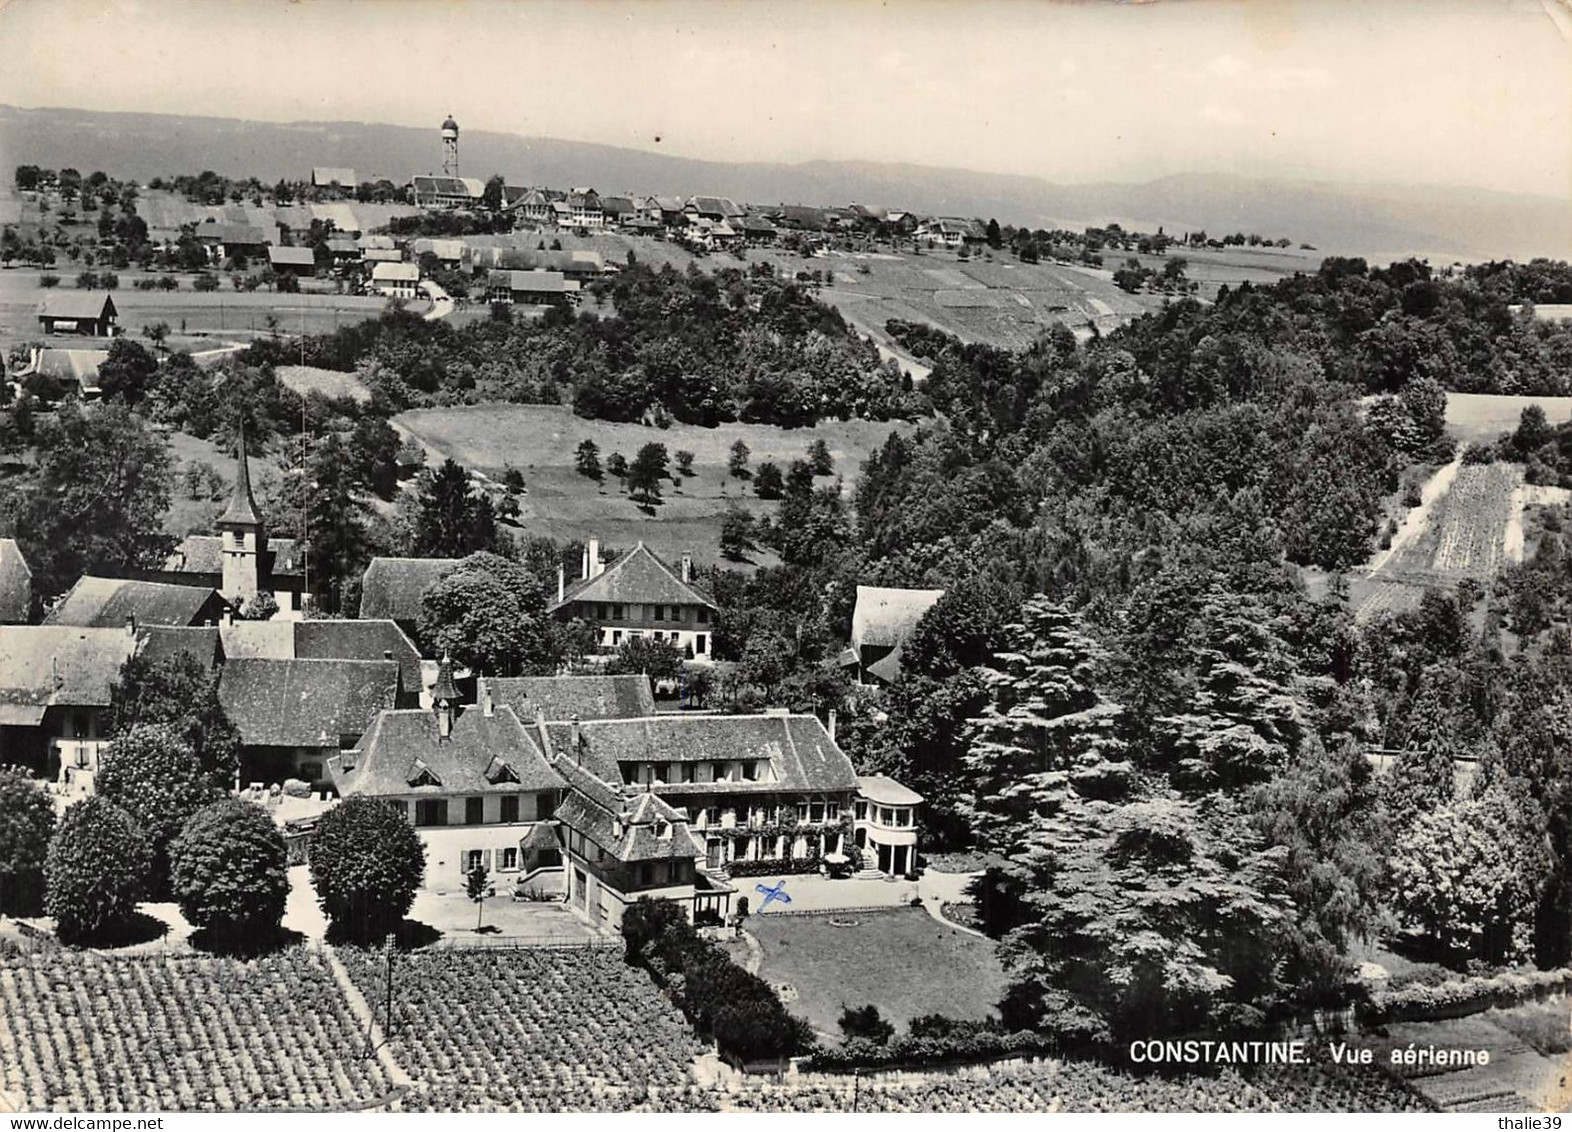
(540, 441)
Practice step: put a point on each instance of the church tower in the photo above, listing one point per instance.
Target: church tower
(244, 540)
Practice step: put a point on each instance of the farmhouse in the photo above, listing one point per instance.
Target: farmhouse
(534, 205)
(293, 715)
(232, 241)
(639, 595)
(16, 583)
(54, 691)
(68, 368)
(398, 280)
(529, 287)
(448, 252)
(292, 261)
(446, 192)
(882, 621)
(469, 778)
(345, 250)
(325, 176)
(107, 603)
(91, 313)
(584, 210)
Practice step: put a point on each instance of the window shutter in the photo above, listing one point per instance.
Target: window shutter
(485, 859)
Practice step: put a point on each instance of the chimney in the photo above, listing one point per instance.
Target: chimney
(584, 565)
(830, 727)
(573, 737)
(227, 617)
(562, 582)
(387, 654)
(594, 558)
(131, 624)
(687, 568)
(486, 707)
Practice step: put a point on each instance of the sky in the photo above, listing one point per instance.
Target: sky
(1470, 93)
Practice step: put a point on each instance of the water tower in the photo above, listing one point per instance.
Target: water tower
(450, 147)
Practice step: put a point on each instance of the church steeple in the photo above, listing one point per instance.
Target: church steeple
(244, 541)
(242, 509)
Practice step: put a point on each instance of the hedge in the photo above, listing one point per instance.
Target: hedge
(939, 1042)
(773, 866)
(1419, 1001)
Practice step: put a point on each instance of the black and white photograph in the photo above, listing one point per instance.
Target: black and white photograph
(793, 557)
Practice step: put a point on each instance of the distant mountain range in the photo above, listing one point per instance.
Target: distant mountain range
(1378, 221)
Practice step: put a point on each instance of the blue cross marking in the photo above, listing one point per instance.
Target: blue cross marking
(776, 893)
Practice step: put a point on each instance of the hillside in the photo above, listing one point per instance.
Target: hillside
(1377, 221)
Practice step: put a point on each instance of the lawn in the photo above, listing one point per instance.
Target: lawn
(540, 441)
(902, 960)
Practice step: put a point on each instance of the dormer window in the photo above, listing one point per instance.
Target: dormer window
(498, 771)
(662, 828)
(422, 775)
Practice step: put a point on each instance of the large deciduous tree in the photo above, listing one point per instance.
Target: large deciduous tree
(152, 773)
(228, 871)
(489, 614)
(95, 872)
(180, 692)
(97, 498)
(27, 820)
(366, 863)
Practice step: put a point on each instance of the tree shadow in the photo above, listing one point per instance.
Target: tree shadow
(138, 928)
(407, 936)
(251, 945)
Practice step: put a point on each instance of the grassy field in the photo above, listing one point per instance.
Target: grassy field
(198, 320)
(540, 441)
(902, 960)
(1485, 416)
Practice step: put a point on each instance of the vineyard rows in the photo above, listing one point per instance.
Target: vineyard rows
(494, 1031)
(148, 1034)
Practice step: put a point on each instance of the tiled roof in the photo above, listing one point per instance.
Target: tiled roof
(377, 243)
(395, 273)
(887, 616)
(161, 642)
(291, 257)
(106, 603)
(359, 640)
(391, 587)
(382, 255)
(638, 576)
(534, 282)
(444, 186)
(61, 664)
(327, 175)
(624, 825)
(450, 250)
(243, 235)
(337, 244)
(80, 366)
(260, 640)
(401, 753)
(799, 749)
(295, 703)
(566, 697)
(203, 555)
(16, 582)
(716, 206)
(77, 304)
(324, 639)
